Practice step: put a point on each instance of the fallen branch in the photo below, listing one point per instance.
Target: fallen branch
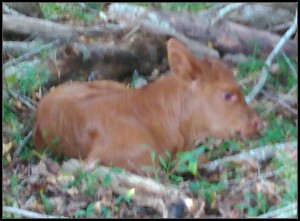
(269, 60)
(289, 211)
(253, 180)
(147, 192)
(30, 54)
(260, 154)
(29, 25)
(132, 32)
(264, 175)
(27, 214)
(290, 64)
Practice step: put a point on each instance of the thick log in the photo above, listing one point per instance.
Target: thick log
(225, 36)
(51, 30)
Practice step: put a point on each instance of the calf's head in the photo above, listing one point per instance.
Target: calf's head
(215, 105)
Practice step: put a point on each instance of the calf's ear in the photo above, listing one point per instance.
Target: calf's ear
(182, 62)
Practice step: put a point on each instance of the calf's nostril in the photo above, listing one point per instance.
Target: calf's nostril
(257, 124)
(238, 132)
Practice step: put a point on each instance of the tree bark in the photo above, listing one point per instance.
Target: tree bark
(108, 60)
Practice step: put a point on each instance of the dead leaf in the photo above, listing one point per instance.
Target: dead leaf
(58, 204)
(42, 169)
(8, 158)
(97, 207)
(71, 165)
(18, 104)
(52, 180)
(72, 191)
(235, 213)
(210, 44)
(6, 148)
(75, 205)
(64, 178)
(36, 206)
(52, 166)
(274, 68)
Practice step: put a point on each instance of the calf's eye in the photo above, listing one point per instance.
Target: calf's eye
(230, 97)
(227, 96)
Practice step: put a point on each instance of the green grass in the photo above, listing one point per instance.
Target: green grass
(30, 81)
(250, 66)
(206, 189)
(87, 181)
(284, 80)
(11, 120)
(278, 130)
(88, 212)
(71, 10)
(26, 84)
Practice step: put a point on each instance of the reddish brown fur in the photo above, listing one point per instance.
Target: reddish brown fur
(104, 120)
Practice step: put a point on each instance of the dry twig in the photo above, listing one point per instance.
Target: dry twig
(134, 30)
(290, 64)
(26, 101)
(288, 211)
(227, 9)
(26, 213)
(22, 145)
(200, 212)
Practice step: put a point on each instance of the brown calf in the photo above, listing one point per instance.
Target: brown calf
(104, 120)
